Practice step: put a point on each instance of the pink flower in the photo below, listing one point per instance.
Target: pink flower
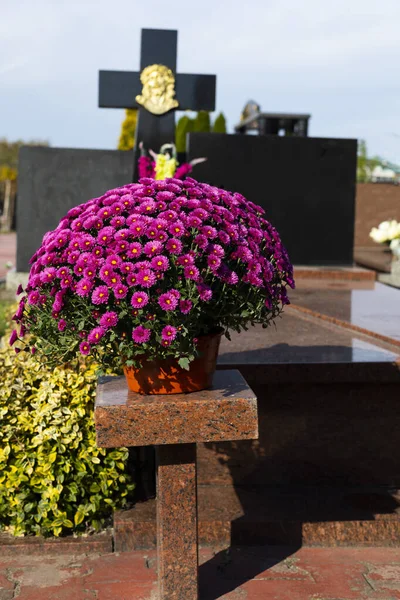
(146, 278)
(120, 290)
(96, 334)
(168, 301)
(201, 241)
(185, 259)
(177, 229)
(205, 292)
(169, 333)
(84, 348)
(100, 295)
(191, 272)
(109, 319)
(185, 306)
(141, 334)
(139, 299)
(132, 279)
(13, 337)
(159, 263)
(174, 246)
(105, 235)
(113, 261)
(209, 232)
(153, 248)
(61, 325)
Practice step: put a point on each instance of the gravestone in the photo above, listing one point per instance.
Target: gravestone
(53, 180)
(157, 90)
(174, 424)
(305, 185)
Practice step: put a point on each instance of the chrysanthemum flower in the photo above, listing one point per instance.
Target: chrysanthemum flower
(120, 290)
(141, 334)
(146, 278)
(109, 319)
(174, 246)
(84, 287)
(205, 292)
(152, 248)
(13, 337)
(84, 348)
(185, 306)
(177, 229)
(48, 275)
(100, 295)
(159, 263)
(96, 334)
(61, 325)
(105, 235)
(139, 299)
(191, 272)
(169, 333)
(168, 301)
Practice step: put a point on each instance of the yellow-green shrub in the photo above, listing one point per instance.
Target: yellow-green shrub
(53, 478)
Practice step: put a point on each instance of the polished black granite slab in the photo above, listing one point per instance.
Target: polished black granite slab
(299, 339)
(375, 310)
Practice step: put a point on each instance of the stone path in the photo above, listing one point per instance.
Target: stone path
(262, 573)
(8, 249)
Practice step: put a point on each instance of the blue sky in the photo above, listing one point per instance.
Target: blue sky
(338, 61)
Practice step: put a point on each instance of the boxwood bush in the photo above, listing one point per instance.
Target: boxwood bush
(53, 478)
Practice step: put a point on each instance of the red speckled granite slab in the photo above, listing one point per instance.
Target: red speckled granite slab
(226, 412)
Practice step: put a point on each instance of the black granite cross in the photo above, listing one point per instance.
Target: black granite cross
(118, 89)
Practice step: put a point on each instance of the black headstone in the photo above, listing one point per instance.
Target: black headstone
(53, 180)
(306, 186)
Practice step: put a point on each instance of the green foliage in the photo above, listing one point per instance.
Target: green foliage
(128, 129)
(183, 127)
(53, 478)
(4, 316)
(365, 164)
(219, 125)
(202, 122)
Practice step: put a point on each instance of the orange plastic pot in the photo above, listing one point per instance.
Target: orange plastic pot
(165, 376)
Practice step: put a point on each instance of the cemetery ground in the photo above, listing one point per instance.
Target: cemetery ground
(251, 573)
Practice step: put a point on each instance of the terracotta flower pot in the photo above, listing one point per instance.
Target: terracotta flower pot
(165, 376)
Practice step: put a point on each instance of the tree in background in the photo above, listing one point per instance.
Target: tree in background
(183, 127)
(219, 125)
(9, 152)
(365, 164)
(200, 123)
(128, 129)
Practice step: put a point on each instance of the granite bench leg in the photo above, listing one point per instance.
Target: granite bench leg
(177, 522)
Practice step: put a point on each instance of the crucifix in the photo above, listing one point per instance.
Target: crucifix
(157, 90)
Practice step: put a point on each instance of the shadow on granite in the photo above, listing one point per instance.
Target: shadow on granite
(229, 569)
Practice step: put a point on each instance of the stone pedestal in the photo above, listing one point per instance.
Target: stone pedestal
(174, 424)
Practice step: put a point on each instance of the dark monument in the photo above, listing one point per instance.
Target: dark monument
(306, 186)
(252, 119)
(157, 90)
(53, 180)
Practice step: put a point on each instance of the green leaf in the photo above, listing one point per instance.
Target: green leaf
(79, 517)
(184, 363)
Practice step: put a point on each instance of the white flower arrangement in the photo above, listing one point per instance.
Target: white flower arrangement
(386, 233)
(395, 247)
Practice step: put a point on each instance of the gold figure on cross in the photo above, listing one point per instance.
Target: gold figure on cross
(158, 93)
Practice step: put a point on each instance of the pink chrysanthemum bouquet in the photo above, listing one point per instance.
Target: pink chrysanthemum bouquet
(148, 268)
